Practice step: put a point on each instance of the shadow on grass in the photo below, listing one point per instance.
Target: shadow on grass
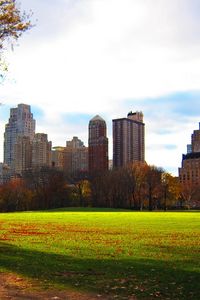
(147, 279)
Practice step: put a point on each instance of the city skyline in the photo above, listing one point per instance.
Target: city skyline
(108, 57)
(74, 135)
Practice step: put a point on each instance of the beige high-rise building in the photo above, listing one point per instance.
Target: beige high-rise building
(58, 157)
(128, 139)
(22, 155)
(75, 143)
(41, 151)
(76, 157)
(21, 123)
(189, 173)
(72, 159)
(196, 140)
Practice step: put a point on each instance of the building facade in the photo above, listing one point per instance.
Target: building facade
(195, 139)
(97, 145)
(128, 139)
(75, 143)
(5, 174)
(189, 173)
(41, 151)
(22, 155)
(21, 123)
(72, 159)
(76, 157)
(58, 157)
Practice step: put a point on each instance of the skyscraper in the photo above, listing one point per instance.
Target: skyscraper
(76, 157)
(41, 151)
(97, 145)
(21, 123)
(72, 159)
(196, 140)
(128, 139)
(74, 143)
(189, 173)
(58, 157)
(22, 154)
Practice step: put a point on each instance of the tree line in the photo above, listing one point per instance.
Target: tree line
(137, 186)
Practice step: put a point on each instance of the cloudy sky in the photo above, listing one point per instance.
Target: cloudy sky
(108, 57)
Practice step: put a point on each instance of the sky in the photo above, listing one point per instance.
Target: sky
(109, 57)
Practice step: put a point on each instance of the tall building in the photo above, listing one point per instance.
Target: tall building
(196, 140)
(58, 157)
(22, 154)
(128, 139)
(5, 174)
(41, 151)
(72, 159)
(74, 143)
(97, 145)
(189, 173)
(76, 157)
(21, 123)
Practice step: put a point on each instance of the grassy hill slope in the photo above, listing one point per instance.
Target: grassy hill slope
(121, 254)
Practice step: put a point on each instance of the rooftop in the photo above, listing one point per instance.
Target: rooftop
(97, 118)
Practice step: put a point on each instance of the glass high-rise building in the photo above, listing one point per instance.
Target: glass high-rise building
(128, 139)
(21, 123)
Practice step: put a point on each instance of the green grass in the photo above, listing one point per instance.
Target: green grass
(118, 253)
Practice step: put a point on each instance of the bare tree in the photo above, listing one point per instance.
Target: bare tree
(153, 185)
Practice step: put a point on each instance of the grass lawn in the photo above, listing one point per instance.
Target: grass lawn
(109, 252)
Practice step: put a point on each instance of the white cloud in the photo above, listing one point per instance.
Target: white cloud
(89, 56)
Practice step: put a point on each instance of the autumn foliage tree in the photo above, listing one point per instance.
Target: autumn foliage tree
(171, 190)
(13, 23)
(136, 186)
(187, 194)
(14, 196)
(48, 186)
(137, 180)
(80, 193)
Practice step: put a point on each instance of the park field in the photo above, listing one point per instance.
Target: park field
(115, 254)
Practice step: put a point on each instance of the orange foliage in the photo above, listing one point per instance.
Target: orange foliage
(12, 22)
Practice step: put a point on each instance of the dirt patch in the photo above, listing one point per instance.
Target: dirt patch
(13, 287)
